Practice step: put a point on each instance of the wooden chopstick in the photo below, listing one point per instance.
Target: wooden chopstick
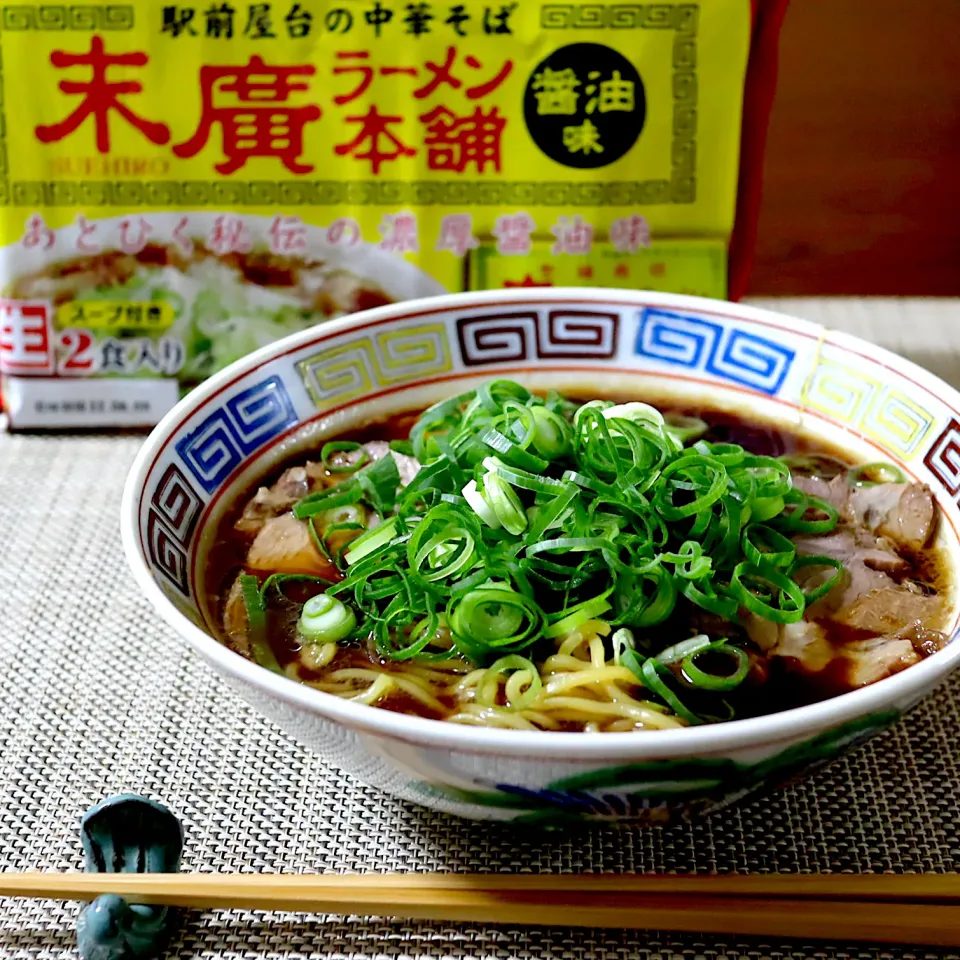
(908, 888)
(922, 909)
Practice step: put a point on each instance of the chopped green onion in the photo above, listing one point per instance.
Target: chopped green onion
(530, 517)
(510, 452)
(763, 544)
(765, 508)
(348, 532)
(684, 648)
(821, 590)
(684, 428)
(379, 481)
(400, 636)
(340, 496)
(522, 478)
(317, 540)
(493, 617)
(794, 521)
(552, 434)
(643, 415)
(651, 673)
(337, 516)
(712, 597)
(569, 544)
(634, 412)
(276, 580)
(770, 476)
(689, 562)
(436, 420)
(443, 474)
(479, 505)
(871, 474)
(324, 619)
(729, 454)
(522, 688)
(492, 394)
(645, 599)
(505, 503)
(621, 641)
(716, 681)
(571, 618)
(349, 521)
(703, 479)
(588, 409)
(257, 623)
(371, 541)
(768, 593)
(343, 446)
(443, 544)
(444, 555)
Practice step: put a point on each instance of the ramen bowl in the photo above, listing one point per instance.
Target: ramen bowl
(288, 397)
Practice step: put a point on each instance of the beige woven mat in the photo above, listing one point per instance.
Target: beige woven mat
(96, 697)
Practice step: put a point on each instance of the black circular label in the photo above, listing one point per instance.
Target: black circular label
(584, 105)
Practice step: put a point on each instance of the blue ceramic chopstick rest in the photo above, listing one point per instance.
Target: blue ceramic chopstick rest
(127, 834)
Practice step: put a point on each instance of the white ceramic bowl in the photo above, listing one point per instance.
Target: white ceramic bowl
(286, 397)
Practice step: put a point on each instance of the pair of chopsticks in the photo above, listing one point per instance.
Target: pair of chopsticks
(922, 909)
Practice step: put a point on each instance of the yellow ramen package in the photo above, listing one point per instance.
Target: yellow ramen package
(184, 183)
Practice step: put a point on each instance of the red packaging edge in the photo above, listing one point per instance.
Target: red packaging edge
(760, 86)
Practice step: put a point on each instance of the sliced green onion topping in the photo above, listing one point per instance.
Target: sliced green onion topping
(257, 622)
(823, 563)
(768, 593)
(505, 503)
(379, 482)
(622, 640)
(684, 428)
(684, 648)
(523, 684)
(805, 514)
(493, 616)
(571, 619)
(371, 541)
(531, 517)
(706, 680)
(328, 450)
(473, 496)
(689, 485)
(324, 619)
(552, 433)
(653, 675)
(870, 474)
(402, 446)
(316, 503)
(763, 544)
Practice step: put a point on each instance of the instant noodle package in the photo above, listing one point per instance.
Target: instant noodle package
(184, 183)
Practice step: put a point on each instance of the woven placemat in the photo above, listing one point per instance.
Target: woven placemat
(98, 697)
